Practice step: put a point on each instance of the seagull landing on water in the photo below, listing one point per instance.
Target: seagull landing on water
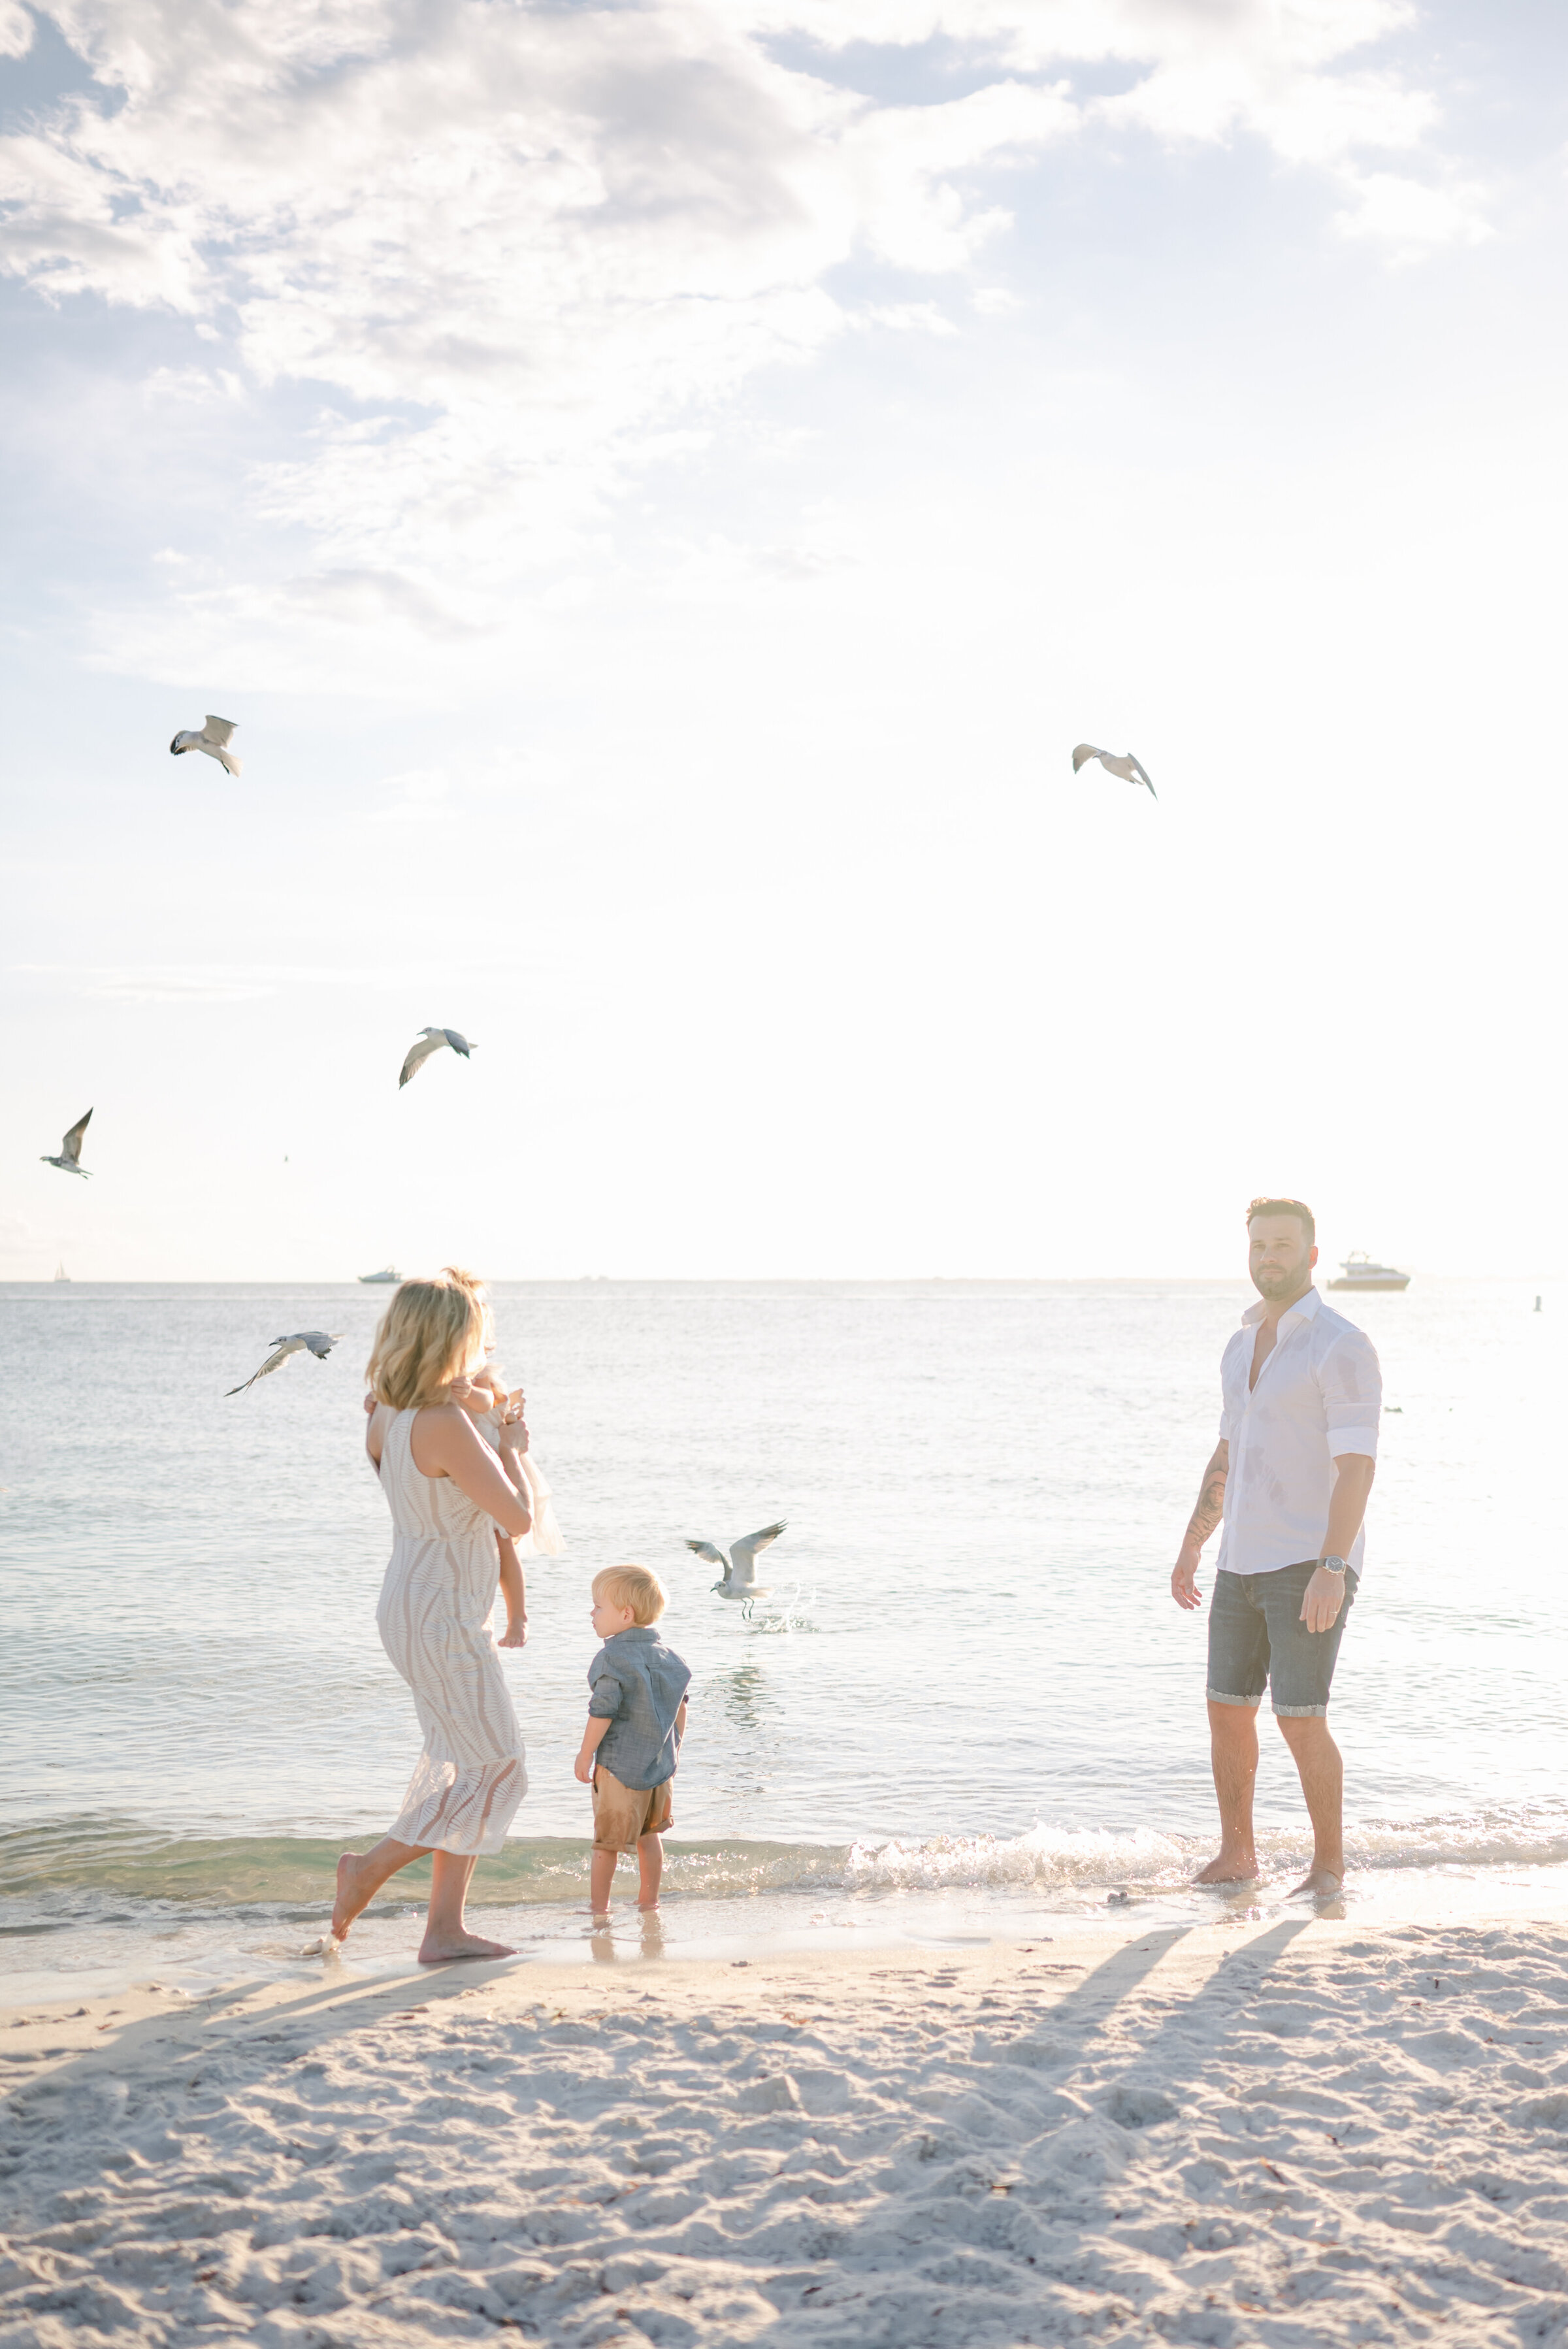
(430, 1040)
(1126, 769)
(313, 1341)
(69, 1160)
(214, 738)
(740, 1567)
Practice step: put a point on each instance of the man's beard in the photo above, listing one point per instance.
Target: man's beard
(1273, 1286)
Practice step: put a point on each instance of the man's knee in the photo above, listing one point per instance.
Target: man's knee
(1306, 1733)
(1233, 1716)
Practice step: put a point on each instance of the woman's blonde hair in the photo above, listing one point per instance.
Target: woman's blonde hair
(637, 1586)
(432, 1332)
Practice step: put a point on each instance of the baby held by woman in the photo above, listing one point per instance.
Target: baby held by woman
(484, 1396)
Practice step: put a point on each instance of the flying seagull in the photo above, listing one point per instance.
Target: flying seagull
(214, 738)
(316, 1341)
(740, 1567)
(69, 1160)
(431, 1040)
(1127, 768)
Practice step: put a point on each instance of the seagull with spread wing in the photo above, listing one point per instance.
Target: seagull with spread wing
(69, 1160)
(740, 1567)
(1126, 769)
(214, 738)
(313, 1341)
(430, 1040)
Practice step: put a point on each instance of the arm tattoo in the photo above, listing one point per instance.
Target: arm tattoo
(1211, 1505)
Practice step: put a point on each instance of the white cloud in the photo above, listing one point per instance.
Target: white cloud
(1410, 218)
(526, 249)
(16, 29)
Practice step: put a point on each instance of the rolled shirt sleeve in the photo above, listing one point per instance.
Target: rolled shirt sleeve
(605, 1695)
(1352, 1395)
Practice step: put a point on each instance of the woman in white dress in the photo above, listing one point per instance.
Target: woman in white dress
(448, 1492)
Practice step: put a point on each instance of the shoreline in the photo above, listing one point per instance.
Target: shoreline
(1302, 2129)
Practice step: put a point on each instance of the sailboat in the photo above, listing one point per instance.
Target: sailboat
(60, 1273)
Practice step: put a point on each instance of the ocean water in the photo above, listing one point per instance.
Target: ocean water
(968, 1706)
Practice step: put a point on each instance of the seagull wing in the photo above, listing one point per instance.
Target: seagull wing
(713, 1556)
(319, 1342)
(1084, 751)
(458, 1043)
(286, 1347)
(743, 1553)
(419, 1052)
(220, 731)
(71, 1147)
(1138, 776)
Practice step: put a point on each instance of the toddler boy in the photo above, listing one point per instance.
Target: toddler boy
(636, 1719)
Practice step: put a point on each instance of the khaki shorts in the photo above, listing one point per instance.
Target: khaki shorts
(623, 1814)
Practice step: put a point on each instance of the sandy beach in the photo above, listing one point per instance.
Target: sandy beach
(1302, 2133)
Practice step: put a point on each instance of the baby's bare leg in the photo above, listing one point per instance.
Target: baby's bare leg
(513, 1591)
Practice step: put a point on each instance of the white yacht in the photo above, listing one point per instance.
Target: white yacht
(388, 1272)
(60, 1273)
(1358, 1271)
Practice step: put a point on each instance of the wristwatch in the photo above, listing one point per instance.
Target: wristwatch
(1332, 1565)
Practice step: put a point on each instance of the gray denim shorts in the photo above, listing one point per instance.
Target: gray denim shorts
(1257, 1640)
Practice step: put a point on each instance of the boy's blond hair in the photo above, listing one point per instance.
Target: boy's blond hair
(637, 1586)
(432, 1332)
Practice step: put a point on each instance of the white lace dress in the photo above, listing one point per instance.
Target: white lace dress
(434, 1619)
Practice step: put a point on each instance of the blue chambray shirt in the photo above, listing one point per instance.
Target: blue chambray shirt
(636, 1684)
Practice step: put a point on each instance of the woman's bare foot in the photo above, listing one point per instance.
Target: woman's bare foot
(1228, 1871)
(351, 1899)
(1321, 1882)
(438, 1949)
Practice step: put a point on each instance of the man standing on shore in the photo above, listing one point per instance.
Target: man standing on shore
(1290, 1477)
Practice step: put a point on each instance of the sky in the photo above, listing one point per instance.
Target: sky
(662, 488)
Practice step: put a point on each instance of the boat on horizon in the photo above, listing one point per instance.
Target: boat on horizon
(60, 1273)
(1358, 1271)
(387, 1272)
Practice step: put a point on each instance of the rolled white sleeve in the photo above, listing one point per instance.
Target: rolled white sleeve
(1352, 1396)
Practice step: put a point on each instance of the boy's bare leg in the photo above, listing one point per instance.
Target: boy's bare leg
(361, 1875)
(1234, 1750)
(447, 1935)
(1322, 1774)
(651, 1868)
(600, 1876)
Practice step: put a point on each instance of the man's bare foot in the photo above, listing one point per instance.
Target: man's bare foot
(350, 1899)
(1321, 1882)
(1228, 1871)
(646, 1907)
(438, 1949)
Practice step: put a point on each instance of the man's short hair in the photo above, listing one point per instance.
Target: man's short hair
(636, 1586)
(1296, 1207)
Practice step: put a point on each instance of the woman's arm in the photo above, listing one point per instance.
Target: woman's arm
(373, 1434)
(446, 1443)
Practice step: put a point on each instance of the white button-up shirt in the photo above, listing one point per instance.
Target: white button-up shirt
(1319, 1394)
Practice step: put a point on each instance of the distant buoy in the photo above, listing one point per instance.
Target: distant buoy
(1538, 1305)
